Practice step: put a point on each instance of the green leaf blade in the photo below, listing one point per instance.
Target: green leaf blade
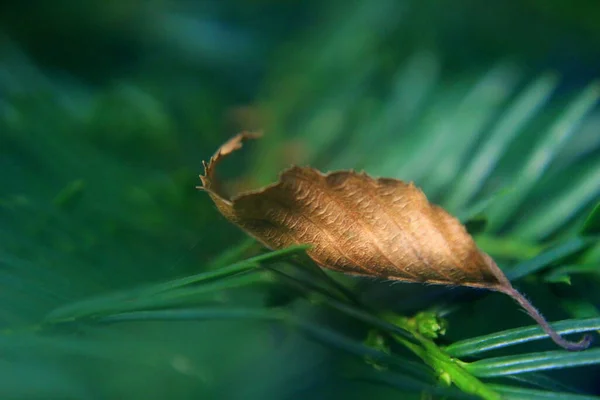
(518, 393)
(515, 336)
(523, 363)
(548, 257)
(539, 160)
(591, 225)
(510, 124)
(550, 216)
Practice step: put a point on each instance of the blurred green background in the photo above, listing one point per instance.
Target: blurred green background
(107, 109)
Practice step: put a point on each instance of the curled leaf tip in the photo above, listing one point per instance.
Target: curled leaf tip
(233, 144)
(356, 224)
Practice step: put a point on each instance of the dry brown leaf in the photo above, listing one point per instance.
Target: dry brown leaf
(356, 224)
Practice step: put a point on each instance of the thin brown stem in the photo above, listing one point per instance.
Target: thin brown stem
(583, 343)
